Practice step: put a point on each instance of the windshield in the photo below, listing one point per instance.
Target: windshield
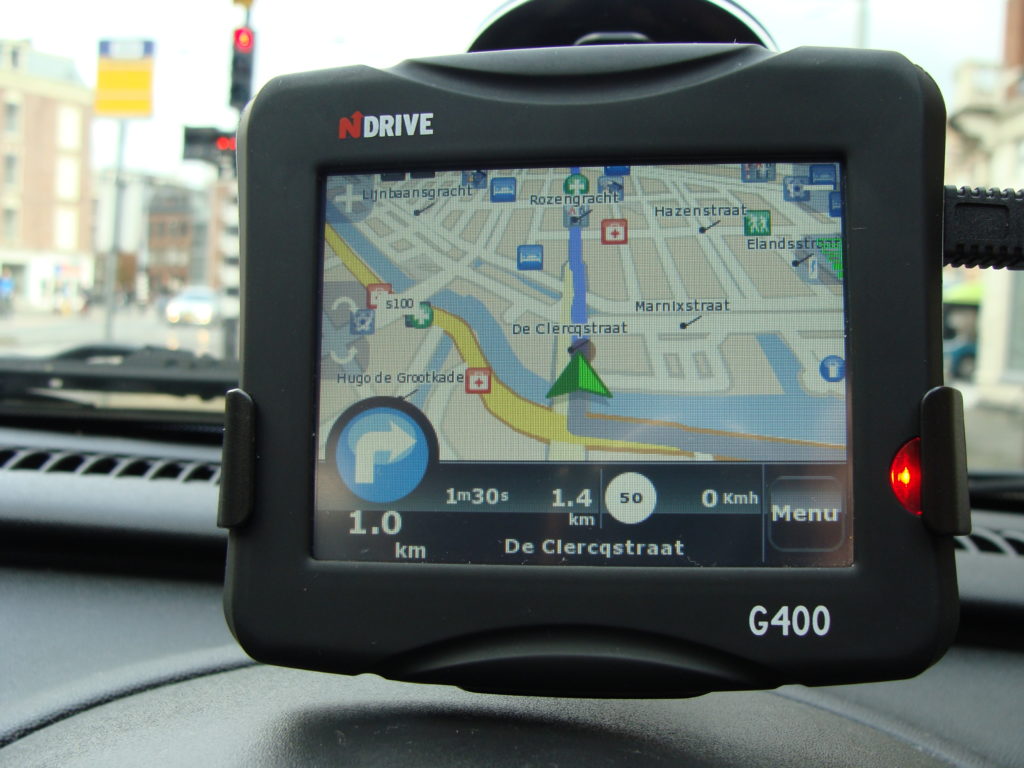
(120, 233)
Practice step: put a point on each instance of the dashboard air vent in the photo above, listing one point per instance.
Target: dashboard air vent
(17, 459)
(990, 541)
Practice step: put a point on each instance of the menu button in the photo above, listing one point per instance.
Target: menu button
(806, 514)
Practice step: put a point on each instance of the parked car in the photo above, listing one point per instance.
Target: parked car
(196, 305)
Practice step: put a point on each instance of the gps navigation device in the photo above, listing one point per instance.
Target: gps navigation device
(605, 371)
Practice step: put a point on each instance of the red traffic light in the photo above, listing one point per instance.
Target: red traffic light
(226, 143)
(244, 40)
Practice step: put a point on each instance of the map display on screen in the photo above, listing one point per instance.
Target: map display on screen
(584, 347)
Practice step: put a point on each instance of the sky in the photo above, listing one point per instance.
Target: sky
(193, 43)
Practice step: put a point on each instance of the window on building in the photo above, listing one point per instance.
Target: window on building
(10, 232)
(12, 117)
(1019, 147)
(69, 128)
(65, 236)
(68, 180)
(10, 170)
(1015, 350)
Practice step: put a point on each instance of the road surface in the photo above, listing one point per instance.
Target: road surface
(27, 332)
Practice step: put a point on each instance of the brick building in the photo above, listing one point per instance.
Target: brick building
(163, 238)
(45, 179)
(177, 238)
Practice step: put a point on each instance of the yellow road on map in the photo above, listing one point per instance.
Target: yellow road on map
(522, 415)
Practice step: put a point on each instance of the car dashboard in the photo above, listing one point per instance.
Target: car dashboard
(114, 651)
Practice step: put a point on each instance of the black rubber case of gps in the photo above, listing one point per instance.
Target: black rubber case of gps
(590, 630)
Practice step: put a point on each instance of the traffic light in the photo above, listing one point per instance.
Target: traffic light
(225, 142)
(208, 144)
(241, 67)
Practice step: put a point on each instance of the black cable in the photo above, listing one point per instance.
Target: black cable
(983, 228)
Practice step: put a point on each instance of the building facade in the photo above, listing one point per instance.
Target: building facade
(985, 148)
(45, 182)
(163, 242)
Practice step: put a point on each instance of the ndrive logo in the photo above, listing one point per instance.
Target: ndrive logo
(360, 126)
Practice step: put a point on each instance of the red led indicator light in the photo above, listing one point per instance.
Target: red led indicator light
(243, 40)
(905, 475)
(226, 143)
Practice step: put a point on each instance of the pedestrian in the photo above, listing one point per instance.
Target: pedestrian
(6, 292)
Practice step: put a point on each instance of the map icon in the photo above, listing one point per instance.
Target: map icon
(376, 294)
(503, 189)
(757, 223)
(576, 216)
(614, 231)
(794, 189)
(611, 185)
(382, 454)
(823, 173)
(423, 317)
(832, 368)
(530, 257)
(835, 204)
(361, 322)
(348, 197)
(757, 172)
(576, 184)
(478, 381)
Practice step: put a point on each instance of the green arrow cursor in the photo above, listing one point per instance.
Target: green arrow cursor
(578, 375)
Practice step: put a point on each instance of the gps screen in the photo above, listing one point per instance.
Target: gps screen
(621, 365)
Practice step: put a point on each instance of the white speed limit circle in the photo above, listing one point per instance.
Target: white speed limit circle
(630, 498)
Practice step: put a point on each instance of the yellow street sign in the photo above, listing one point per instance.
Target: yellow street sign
(124, 79)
